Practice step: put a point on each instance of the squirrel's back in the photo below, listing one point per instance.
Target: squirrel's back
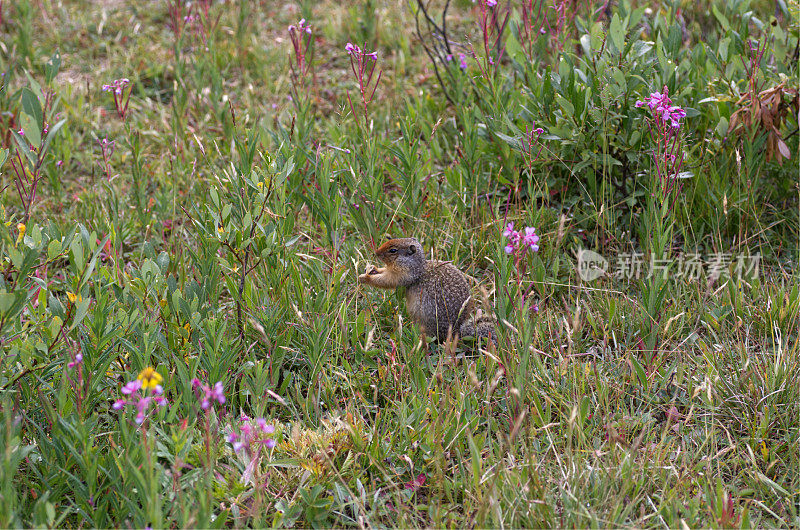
(440, 299)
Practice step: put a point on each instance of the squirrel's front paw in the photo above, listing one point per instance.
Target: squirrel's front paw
(372, 270)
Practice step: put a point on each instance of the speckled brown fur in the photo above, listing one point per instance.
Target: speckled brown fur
(437, 294)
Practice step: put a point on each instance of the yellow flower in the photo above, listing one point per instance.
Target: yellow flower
(72, 297)
(150, 378)
(260, 186)
(220, 229)
(21, 228)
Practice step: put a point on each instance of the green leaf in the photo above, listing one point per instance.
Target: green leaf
(53, 249)
(52, 66)
(77, 254)
(51, 133)
(3, 157)
(32, 107)
(569, 109)
(617, 33)
(726, 25)
(82, 308)
(32, 131)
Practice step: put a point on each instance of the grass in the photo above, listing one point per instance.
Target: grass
(215, 228)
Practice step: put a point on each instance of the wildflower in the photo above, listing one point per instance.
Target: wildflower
(21, 229)
(462, 61)
(661, 105)
(208, 394)
(78, 359)
(131, 387)
(491, 3)
(117, 86)
(249, 437)
(59, 163)
(149, 378)
(363, 65)
(136, 394)
(531, 239)
(518, 242)
(21, 132)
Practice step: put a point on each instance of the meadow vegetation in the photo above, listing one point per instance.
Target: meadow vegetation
(189, 191)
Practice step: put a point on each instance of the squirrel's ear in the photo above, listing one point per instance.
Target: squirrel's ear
(411, 249)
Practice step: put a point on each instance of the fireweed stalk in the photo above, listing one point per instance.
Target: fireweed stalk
(492, 29)
(518, 243)
(302, 38)
(250, 440)
(207, 397)
(665, 124)
(534, 24)
(121, 90)
(363, 65)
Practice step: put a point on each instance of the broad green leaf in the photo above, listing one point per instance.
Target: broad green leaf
(617, 33)
(32, 131)
(52, 67)
(32, 107)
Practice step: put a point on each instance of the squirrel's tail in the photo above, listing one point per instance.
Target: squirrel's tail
(480, 327)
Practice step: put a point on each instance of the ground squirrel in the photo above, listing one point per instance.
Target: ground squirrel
(437, 294)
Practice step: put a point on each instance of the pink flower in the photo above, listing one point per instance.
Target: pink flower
(119, 404)
(462, 61)
(76, 361)
(131, 387)
(352, 48)
(207, 395)
(491, 3)
(519, 241)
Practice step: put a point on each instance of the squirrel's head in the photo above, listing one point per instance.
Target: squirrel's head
(405, 253)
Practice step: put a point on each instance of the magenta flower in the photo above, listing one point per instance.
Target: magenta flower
(518, 242)
(78, 359)
(140, 398)
(208, 394)
(251, 437)
(660, 104)
(352, 49)
(491, 3)
(21, 132)
(131, 387)
(462, 61)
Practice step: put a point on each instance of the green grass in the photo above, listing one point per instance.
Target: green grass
(221, 237)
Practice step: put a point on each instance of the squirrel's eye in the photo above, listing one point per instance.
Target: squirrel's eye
(393, 251)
